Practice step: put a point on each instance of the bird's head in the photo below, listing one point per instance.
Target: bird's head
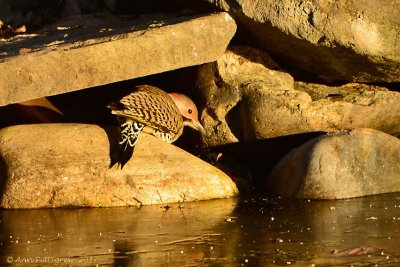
(189, 112)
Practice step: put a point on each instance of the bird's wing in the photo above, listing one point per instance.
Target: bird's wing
(152, 107)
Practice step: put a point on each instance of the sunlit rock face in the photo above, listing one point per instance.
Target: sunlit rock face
(344, 165)
(127, 51)
(332, 40)
(58, 165)
(303, 69)
(248, 97)
(252, 105)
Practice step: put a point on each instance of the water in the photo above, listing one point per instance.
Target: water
(227, 232)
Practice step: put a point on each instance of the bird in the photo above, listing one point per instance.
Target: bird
(151, 110)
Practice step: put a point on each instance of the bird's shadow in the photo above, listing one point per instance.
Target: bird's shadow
(112, 132)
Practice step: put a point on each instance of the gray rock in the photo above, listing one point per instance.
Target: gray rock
(336, 40)
(55, 165)
(249, 98)
(344, 165)
(109, 52)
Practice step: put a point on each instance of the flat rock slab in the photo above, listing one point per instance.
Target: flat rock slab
(345, 165)
(56, 165)
(86, 53)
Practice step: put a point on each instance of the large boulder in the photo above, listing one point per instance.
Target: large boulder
(343, 165)
(247, 97)
(54, 165)
(335, 40)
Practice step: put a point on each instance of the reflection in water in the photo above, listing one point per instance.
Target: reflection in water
(248, 232)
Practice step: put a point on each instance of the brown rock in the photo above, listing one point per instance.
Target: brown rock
(223, 85)
(345, 165)
(351, 106)
(39, 110)
(313, 107)
(102, 54)
(336, 40)
(248, 98)
(54, 165)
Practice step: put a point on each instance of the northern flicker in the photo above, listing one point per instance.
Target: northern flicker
(149, 109)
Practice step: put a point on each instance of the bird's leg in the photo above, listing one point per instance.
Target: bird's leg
(123, 150)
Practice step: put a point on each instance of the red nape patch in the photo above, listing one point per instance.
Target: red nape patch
(175, 95)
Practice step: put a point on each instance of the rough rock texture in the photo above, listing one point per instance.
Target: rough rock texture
(336, 40)
(222, 85)
(349, 164)
(350, 106)
(248, 98)
(53, 165)
(80, 57)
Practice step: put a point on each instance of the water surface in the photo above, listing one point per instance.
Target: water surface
(227, 232)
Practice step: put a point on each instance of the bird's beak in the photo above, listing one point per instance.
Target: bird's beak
(197, 126)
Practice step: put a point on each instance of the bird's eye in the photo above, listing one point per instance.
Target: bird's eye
(190, 111)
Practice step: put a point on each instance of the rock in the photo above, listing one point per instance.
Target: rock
(222, 85)
(49, 64)
(344, 165)
(39, 110)
(350, 106)
(56, 165)
(247, 97)
(306, 108)
(335, 40)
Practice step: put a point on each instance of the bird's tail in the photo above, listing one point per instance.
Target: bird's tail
(123, 149)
